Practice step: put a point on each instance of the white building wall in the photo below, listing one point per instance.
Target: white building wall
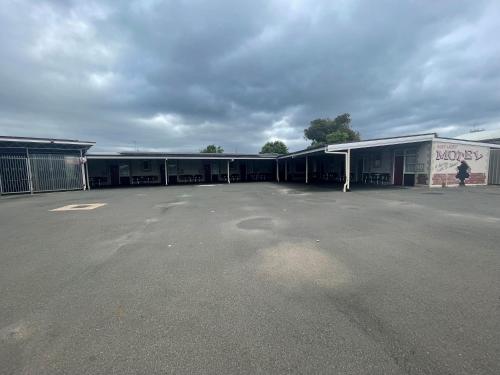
(423, 167)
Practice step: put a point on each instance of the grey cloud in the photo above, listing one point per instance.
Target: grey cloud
(180, 74)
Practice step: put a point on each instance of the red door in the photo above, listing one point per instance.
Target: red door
(399, 162)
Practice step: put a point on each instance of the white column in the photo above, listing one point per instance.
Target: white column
(307, 169)
(347, 185)
(166, 172)
(228, 178)
(83, 171)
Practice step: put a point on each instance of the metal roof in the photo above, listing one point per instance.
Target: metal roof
(382, 142)
(177, 155)
(43, 143)
(483, 135)
(378, 142)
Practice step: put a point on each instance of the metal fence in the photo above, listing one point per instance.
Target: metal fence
(494, 171)
(39, 173)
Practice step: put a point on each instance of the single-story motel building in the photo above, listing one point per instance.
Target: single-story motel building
(31, 165)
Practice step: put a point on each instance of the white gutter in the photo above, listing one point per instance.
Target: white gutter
(90, 156)
(46, 141)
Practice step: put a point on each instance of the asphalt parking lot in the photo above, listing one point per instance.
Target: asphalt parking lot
(251, 278)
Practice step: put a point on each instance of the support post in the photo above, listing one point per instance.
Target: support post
(347, 155)
(83, 171)
(277, 171)
(228, 178)
(286, 170)
(166, 172)
(347, 185)
(307, 169)
(28, 171)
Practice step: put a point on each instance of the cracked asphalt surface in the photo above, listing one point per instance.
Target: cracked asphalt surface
(251, 278)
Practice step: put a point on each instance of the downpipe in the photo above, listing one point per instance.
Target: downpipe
(347, 156)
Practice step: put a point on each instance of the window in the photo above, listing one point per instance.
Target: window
(410, 161)
(377, 160)
(146, 166)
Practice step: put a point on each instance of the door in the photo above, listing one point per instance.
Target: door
(115, 175)
(399, 162)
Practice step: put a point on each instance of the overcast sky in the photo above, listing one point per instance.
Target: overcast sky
(178, 75)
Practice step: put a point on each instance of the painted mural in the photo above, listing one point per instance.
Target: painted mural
(459, 164)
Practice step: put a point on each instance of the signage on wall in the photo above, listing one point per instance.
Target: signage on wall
(456, 163)
(458, 155)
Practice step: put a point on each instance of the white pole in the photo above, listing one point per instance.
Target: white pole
(277, 171)
(228, 179)
(347, 155)
(347, 186)
(83, 171)
(166, 172)
(307, 169)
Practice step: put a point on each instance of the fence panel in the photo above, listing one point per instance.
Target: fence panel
(49, 172)
(53, 172)
(14, 174)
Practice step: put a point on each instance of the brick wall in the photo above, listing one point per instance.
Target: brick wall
(450, 179)
(422, 179)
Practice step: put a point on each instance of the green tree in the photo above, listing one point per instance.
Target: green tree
(212, 149)
(276, 147)
(328, 131)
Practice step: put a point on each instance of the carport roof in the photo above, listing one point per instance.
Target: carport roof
(44, 143)
(378, 142)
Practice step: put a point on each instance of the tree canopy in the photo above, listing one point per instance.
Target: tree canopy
(328, 131)
(276, 147)
(212, 149)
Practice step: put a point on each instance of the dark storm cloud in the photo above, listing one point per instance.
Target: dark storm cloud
(182, 74)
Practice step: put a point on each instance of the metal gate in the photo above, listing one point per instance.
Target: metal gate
(14, 174)
(494, 170)
(40, 173)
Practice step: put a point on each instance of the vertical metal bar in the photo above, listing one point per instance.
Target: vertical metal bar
(228, 179)
(307, 169)
(286, 170)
